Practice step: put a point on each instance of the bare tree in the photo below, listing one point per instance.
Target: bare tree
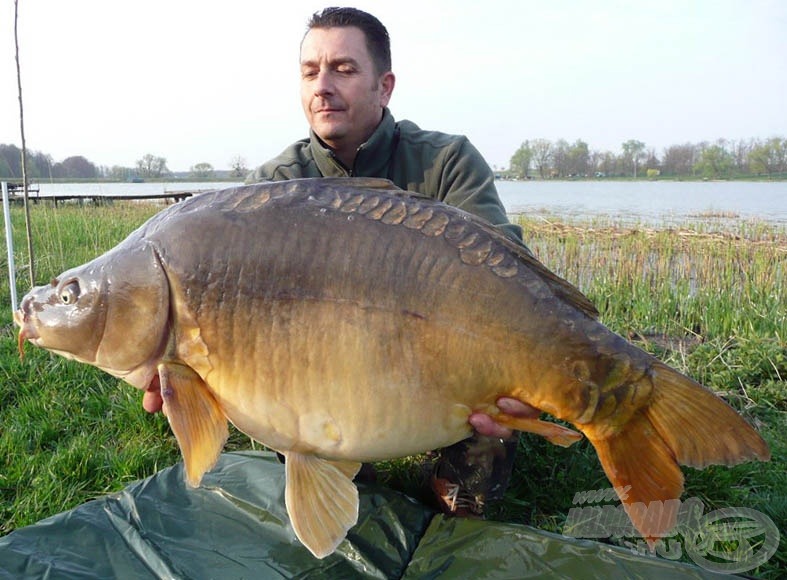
(633, 154)
(559, 159)
(542, 155)
(152, 166)
(679, 159)
(239, 168)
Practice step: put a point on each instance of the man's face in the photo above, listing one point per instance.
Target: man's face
(341, 92)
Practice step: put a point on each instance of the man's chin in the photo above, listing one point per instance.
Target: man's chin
(330, 134)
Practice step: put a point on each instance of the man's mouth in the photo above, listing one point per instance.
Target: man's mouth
(328, 109)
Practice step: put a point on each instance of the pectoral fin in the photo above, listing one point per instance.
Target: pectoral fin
(195, 417)
(321, 499)
(552, 432)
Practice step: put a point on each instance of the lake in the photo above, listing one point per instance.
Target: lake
(121, 189)
(651, 202)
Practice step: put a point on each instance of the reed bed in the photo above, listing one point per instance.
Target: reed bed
(693, 280)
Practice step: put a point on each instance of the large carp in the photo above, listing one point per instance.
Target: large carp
(343, 321)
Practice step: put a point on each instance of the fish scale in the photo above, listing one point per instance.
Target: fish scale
(342, 320)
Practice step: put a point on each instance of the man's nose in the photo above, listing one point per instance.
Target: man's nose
(323, 84)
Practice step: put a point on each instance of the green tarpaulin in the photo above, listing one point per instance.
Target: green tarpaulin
(235, 526)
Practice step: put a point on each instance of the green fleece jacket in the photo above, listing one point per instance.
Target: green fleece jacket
(445, 167)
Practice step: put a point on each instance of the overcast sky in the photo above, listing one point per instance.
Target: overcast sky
(198, 81)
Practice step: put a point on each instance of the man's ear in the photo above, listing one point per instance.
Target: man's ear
(387, 82)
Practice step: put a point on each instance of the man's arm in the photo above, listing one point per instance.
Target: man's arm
(467, 182)
(292, 163)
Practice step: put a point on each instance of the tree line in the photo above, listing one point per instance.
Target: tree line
(534, 158)
(43, 167)
(718, 160)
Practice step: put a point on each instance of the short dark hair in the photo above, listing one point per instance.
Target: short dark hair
(377, 40)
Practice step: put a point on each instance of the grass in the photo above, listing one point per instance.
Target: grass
(67, 431)
(708, 299)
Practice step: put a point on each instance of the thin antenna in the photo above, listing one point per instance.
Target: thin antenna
(28, 228)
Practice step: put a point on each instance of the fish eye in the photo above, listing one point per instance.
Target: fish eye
(69, 293)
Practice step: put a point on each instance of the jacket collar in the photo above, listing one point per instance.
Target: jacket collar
(371, 159)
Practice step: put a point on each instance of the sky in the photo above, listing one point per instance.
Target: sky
(207, 82)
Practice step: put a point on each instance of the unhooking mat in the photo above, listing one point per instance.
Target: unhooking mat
(235, 526)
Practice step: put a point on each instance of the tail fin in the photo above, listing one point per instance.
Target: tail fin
(683, 424)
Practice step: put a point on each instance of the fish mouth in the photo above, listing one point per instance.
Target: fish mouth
(19, 317)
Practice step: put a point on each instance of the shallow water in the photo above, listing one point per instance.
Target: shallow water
(651, 202)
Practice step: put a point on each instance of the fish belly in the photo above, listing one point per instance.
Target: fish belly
(357, 383)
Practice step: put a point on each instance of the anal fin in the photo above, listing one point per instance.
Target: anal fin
(552, 432)
(196, 419)
(321, 499)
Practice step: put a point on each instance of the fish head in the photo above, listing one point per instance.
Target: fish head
(111, 313)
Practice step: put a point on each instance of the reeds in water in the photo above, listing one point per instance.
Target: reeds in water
(676, 281)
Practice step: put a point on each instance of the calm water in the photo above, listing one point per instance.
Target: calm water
(653, 202)
(121, 189)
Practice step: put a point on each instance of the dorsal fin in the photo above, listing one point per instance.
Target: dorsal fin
(439, 219)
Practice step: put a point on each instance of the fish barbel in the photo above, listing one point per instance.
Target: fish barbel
(339, 321)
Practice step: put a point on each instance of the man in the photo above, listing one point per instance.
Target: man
(346, 85)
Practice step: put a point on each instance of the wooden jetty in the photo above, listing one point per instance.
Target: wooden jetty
(16, 196)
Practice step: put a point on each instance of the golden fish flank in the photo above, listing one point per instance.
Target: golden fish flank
(341, 321)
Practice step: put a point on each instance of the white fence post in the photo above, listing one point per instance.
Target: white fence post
(9, 242)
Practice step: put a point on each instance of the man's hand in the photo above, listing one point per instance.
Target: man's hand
(485, 424)
(152, 401)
